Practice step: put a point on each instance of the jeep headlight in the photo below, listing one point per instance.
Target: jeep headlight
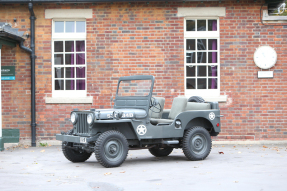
(90, 119)
(74, 118)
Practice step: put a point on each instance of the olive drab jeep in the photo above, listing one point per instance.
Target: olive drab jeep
(139, 121)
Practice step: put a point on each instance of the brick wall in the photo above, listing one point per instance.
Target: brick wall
(139, 38)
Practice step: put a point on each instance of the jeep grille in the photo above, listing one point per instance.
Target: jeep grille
(82, 127)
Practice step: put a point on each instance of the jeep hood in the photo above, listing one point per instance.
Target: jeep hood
(104, 114)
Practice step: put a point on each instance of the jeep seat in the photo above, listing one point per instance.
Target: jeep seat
(157, 115)
(178, 106)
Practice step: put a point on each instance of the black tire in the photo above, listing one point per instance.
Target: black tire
(196, 143)
(111, 149)
(74, 155)
(197, 99)
(160, 152)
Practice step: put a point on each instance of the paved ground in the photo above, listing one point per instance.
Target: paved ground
(238, 167)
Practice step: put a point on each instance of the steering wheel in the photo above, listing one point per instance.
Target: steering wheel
(155, 105)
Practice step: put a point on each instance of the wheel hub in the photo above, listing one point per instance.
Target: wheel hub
(198, 144)
(113, 149)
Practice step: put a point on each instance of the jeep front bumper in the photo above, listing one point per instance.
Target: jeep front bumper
(74, 139)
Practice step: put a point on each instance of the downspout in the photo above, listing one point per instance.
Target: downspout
(21, 45)
(33, 57)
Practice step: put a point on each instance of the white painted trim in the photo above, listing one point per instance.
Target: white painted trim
(0, 100)
(52, 100)
(68, 13)
(273, 19)
(201, 11)
(221, 98)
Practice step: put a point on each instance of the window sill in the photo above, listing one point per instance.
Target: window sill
(52, 100)
(221, 98)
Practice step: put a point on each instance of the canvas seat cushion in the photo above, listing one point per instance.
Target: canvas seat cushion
(178, 106)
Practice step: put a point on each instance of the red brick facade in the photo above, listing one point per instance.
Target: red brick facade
(139, 38)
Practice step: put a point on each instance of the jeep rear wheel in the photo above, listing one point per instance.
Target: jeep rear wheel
(111, 149)
(196, 143)
(74, 155)
(160, 152)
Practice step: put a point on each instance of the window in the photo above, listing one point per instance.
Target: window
(202, 57)
(69, 58)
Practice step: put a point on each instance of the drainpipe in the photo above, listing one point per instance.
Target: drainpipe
(21, 45)
(33, 57)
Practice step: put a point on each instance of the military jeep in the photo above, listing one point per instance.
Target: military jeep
(139, 121)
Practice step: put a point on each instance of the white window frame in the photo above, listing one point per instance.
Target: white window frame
(66, 37)
(205, 35)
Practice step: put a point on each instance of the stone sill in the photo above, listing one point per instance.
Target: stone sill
(221, 98)
(54, 100)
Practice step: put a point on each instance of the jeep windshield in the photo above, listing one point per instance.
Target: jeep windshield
(131, 88)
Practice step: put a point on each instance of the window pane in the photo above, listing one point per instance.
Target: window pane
(58, 46)
(70, 72)
(70, 26)
(69, 59)
(212, 71)
(190, 57)
(201, 44)
(190, 83)
(212, 57)
(58, 59)
(59, 72)
(81, 72)
(201, 70)
(59, 84)
(201, 25)
(201, 83)
(80, 46)
(212, 25)
(59, 26)
(70, 84)
(80, 58)
(212, 83)
(190, 44)
(212, 44)
(81, 85)
(190, 71)
(201, 57)
(80, 26)
(69, 46)
(190, 25)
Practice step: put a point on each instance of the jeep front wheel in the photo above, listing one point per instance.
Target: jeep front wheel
(111, 149)
(160, 152)
(196, 143)
(72, 154)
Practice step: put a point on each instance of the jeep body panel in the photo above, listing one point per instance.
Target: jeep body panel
(129, 127)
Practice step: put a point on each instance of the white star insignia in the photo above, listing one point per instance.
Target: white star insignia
(211, 116)
(141, 129)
